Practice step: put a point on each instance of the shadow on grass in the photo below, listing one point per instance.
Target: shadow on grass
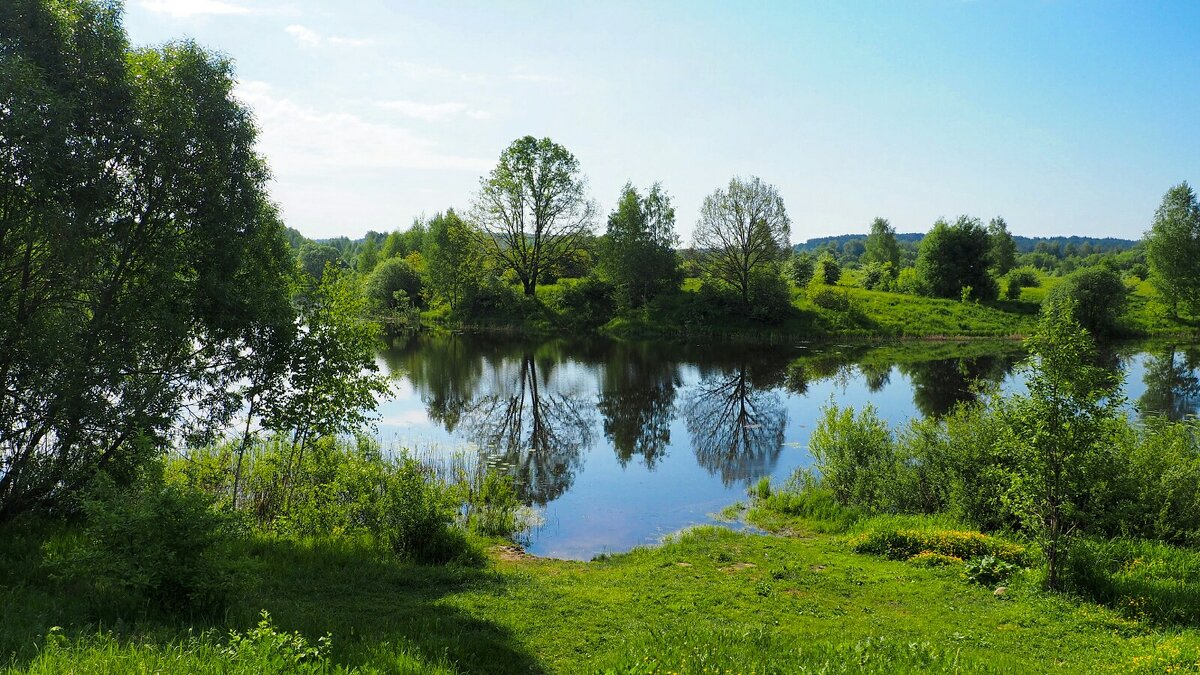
(367, 602)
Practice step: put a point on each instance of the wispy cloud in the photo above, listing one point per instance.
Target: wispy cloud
(432, 112)
(182, 9)
(311, 38)
(424, 71)
(523, 75)
(298, 138)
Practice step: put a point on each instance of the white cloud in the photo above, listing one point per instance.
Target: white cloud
(432, 112)
(521, 75)
(311, 38)
(424, 71)
(301, 139)
(182, 9)
(305, 36)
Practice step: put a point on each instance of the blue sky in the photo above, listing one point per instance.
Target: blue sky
(1066, 117)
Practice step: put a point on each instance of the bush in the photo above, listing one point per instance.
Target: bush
(856, 457)
(827, 271)
(1141, 578)
(1024, 277)
(800, 268)
(903, 543)
(1099, 295)
(878, 276)
(770, 297)
(909, 281)
(988, 570)
(151, 544)
(587, 303)
(494, 508)
(829, 298)
(418, 516)
(392, 287)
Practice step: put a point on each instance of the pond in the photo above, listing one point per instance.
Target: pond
(618, 444)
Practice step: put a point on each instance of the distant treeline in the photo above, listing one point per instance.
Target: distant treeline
(1068, 246)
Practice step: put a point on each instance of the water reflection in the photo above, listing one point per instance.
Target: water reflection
(1172, 379)
(737, 424)
(620, 443)
(637, 402)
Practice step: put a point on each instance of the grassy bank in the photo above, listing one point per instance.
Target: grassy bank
(710, 600)
(850, 312)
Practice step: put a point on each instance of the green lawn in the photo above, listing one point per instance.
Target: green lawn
(711, 600)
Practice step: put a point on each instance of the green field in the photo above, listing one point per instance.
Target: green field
(709, 601)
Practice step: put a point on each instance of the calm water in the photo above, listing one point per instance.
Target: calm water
(619, 444)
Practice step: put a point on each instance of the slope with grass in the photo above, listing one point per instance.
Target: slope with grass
(709, 600)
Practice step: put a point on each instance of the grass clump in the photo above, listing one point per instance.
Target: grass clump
(934, 559)
(1144, 579)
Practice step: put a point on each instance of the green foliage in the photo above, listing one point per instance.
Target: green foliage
(315, 258)
(140, 254)
(494, 509)
(828, 271)
(534, 209)
(416, 517)
(1173, 250)
(878, 276)
(931, 559)
(1099, 297)
(456, 261)
(1061, 433)
(800, 268)
(988, 570)
(274, 650)
(954, 257)
(829, 298)
(880, 247)
(856, 457)
(910, 281)
(588, 303)
(742, 229)
(1144, 579)
(901, 544)
(638, 254)
(1002, 248)
(153, 544)
(393, 288)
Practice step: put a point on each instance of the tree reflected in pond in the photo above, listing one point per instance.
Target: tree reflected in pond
(637, 402)
(736, 424)
(1172, 381)
(532, 426)
(941, 384)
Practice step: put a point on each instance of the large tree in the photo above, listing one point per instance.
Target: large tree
(454, 260)
(955, 257)
(1002, 248)
(141, 266)
(743, 229)
(638, 254)
(1173, 250)
(533, 208)
(881, 246)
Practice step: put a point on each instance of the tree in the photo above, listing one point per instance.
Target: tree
(533, 208)
(1059, 432)
(1002, 248)
(368, 256)
(393, 287)
(828, 271)
(314, 258)
(742, 229)
(881, 246)
(455, 262)
(801, 267)
(638, 254)
(139, 256)
(1099, 297)
(954, 257)
(1173, 250)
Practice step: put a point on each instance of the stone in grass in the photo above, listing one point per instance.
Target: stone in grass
(1000, 591)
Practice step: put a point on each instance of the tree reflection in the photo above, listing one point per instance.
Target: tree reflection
(637, 402)
(1172, 383)
(939, 385)
(736, 424)
(534, 429)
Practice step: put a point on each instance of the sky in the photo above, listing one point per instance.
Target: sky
(1065, 117)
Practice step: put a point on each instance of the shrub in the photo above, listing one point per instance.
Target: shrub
(1099, 296)
(272, 650)
(494, 509)
(988, 570)
(877, 276)
(909, 281)
(903, 543)
(856, 457)
(393, 286)
(770, 297)
(587, 303)
(827, 271)
(800, 268)
(829, 298)
(152, 543)
(1024, 277)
